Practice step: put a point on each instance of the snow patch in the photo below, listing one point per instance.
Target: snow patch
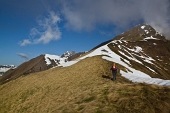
(135, 78)
(151, 37)
(121, 38)
(151, 69)
(126, 61)
(137, 49)
(66, 64)
(146, 31)
(52, 57)
(5, 68)
(120, 47)
(142, 27)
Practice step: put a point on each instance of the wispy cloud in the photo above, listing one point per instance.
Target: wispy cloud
(22, 55)
(25, 42)
(46, 31)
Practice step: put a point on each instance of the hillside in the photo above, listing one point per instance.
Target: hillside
(81, 88)
(84, 84)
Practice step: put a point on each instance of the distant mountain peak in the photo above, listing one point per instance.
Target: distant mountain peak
(68, 54)
(140, 32)
(4, 68)
(40, 63)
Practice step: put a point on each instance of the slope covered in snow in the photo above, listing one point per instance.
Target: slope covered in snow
(125, 56)
(57, 59)
(5, 68)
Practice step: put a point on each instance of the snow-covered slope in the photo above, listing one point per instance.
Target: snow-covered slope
(61, 60)
(4, 68)
(68, 54)
(124, 60)
(57, 59)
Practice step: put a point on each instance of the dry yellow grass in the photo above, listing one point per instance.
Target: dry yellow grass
(81, 89)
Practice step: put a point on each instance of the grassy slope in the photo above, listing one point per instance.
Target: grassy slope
(81, 88)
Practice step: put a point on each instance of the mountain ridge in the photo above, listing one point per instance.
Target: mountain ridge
(137, 44)
(39, 63)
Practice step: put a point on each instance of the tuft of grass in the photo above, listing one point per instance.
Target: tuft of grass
(89, 99)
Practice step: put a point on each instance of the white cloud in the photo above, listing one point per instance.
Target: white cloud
(156, 13)
(87, 14)
(80, 15)
(49, 35)
(34, 32)
(46, 31)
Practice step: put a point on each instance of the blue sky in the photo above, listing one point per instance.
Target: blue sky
(29, 28)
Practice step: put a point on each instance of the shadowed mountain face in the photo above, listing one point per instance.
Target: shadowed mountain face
(40, 63)
(34, 65)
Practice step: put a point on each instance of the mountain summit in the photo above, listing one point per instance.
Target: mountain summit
(140, 32)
